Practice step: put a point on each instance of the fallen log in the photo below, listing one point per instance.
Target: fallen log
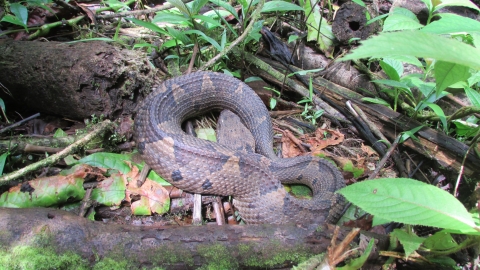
(233, 246)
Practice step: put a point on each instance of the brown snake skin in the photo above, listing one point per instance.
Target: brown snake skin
(253, 179)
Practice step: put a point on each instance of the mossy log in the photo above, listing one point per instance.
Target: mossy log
(222, 247)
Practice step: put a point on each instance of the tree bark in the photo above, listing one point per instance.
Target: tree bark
(234, 246)
(73, 80)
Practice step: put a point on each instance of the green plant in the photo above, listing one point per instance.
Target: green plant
(412, 202)
(308, 112)
(445, 56)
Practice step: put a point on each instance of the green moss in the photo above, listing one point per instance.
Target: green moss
(254, 256)
(171, 254)
(108, 263)
(216, 257)
(25, 257)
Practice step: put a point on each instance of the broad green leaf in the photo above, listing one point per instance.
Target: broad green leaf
(411, 202)
(441, 240)
(409, 242)
(392, 68)
(226, 6)
(401, 19)
(379, 221)
(348, 167)
(255, 33)
(148, 25)
(272, 6)
(20, 11)
(169, 17)
(180, 6)
(46, 191)
(418, 44)
(465, 129)
(108, 161)
(439, 112)
(325, 38)
(458, 3)
(452, 23)
(13, 20)
(3, 158)
(473, 96)
(110, 191)
(447, 74)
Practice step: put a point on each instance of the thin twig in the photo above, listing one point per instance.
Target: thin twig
(19, 123)
(245, 33)
(100, 128)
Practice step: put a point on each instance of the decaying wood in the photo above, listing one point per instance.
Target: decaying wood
(169, 247)
(73, 80)
(433, 144)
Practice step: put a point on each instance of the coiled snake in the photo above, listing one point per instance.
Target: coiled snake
(253, 179)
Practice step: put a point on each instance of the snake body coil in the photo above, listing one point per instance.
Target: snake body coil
(253, 179)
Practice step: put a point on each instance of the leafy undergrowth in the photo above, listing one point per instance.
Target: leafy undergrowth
(444, 48)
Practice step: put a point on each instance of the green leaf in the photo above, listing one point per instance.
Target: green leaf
(392, 68)
(205, 37)
(59, 133)
(452, 23)
(45, 192)
(305, 72)
(181, 7)
(13, 20)
(357, 263)
(148, 25)
(411, 202)
(429, 5)
(441, 240)
(410, 134)
(473, 96)
(447, 74)
(110, 191)
(197, 5)
(169, 17)
(272, 6)
(3, 158)
(418, 44)
(227, 7)
(379, 221)
(458, 3)
(20, 11)
(208, 20)
(116, 5)
(179, 35)
(393, 83)
(439, 112)
(465, 129)
(348, 167)
(325, 38)
(409, 242)
(108, 161)
(401, 19)
(273, 103)
(206, 134)
(359, 2)
(376, 101)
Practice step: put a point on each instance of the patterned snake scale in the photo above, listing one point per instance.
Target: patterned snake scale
(253, 179)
